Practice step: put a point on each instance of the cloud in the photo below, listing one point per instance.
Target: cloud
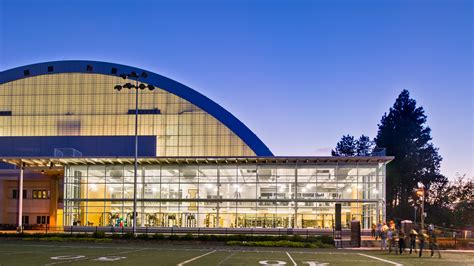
(325, 151)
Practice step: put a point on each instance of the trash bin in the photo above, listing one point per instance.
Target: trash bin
(355, 234)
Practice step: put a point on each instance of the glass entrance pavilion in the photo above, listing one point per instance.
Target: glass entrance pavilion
(256, 192)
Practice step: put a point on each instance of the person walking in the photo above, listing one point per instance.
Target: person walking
(379, 230)
(413, 235)
(392, 239)
(434, 243)
(392, 236)
(401, 242)
(383, 237)
(422, 237)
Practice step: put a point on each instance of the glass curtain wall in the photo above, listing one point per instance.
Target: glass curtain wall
(225, 195)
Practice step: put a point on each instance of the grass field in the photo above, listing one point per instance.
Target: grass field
(53, 253)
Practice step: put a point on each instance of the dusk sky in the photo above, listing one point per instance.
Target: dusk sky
(300, 74)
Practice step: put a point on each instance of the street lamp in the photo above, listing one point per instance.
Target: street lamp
(137, 86)
(421, 193)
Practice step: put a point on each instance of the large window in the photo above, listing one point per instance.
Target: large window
(225, 195)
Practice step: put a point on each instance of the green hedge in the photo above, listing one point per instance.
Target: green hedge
(327, 240)
(280, 243)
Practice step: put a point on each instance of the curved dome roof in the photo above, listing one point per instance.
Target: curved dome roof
(167, 84)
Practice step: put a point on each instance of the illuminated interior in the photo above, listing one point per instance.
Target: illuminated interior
(220, 195)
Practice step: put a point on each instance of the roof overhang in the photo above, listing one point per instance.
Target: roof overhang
(63, 161)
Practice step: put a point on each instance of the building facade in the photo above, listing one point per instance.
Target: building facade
(199, 166)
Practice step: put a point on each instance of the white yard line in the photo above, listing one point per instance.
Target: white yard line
(226, 258)
(195, 258)
(375, 258)
(292, 260)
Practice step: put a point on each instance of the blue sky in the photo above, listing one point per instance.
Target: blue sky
(300, 74)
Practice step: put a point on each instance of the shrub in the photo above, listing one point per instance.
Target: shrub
(85, 235)
(116, 236)
(173, 237)
(128, 236)
(326, 240)
(142, 236)
(204, 237)
(188, 236)
(297, 238)
(158, 236)
(99, 234)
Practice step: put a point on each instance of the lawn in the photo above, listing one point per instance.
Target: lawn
(17, 252)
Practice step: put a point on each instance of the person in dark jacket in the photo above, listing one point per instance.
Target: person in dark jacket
(413, 235)
(434, 243)
(422, 237)
(401, 242)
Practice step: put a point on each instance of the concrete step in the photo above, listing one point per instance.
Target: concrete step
(370, 243)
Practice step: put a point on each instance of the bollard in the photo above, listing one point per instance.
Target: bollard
(455, 242)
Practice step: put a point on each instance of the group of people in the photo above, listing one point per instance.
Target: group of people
(390, 236)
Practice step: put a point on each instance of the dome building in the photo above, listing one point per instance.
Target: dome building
(67, 134)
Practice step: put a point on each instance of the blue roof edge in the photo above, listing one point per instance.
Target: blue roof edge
(167, 84)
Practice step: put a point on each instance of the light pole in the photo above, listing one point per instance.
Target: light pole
(416, 208)
(421, 193)
(141, 86)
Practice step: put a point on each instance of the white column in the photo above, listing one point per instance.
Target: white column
(295, 222)
(20, 197)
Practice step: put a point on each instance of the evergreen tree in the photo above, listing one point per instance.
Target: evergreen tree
(364, 146)
(403, 132)
(349, 146)
(345, 147)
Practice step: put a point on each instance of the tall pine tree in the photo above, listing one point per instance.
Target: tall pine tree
(403, 132)
(347, 146)
(364, 146)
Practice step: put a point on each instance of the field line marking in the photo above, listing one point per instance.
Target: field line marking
(195, 258)
(223, 260)
(375, 258)
(292, 260)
